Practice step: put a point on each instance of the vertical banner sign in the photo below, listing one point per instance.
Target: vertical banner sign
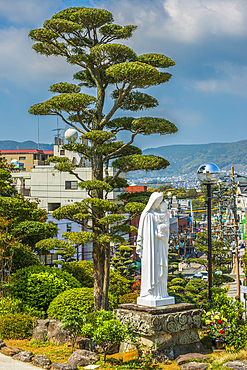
(243, 227)
(180, 268)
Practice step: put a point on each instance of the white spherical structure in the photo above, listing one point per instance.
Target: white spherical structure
(14, 161)
(71, 135)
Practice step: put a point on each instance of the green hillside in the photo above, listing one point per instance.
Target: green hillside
(10, 144)
(187, 158)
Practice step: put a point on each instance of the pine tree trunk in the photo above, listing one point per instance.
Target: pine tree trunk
(101, 254)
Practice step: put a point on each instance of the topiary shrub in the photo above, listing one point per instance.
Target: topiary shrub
(9, 305)
(129, 298)
(82, 271)
(178, 281)
(74, 299)
(37, 286)
(15, 326)
(195, 286)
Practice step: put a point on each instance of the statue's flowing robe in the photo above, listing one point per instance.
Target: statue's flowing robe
(154, 254)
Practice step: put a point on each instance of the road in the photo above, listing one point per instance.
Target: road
(7, 363)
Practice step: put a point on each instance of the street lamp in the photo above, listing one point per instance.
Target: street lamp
(208, 174)
(169, 194)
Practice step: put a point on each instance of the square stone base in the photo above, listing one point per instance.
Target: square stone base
(155, 302)
(172, 329)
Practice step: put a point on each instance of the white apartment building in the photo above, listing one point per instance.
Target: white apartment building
(52, 189)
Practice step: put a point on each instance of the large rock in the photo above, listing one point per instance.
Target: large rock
(56, 334)
(40, 333)
(194, 366)
(10, 351)
(190, 356)
(24, 356)
(238, 365)
(83, 343)
(83, 358)
(42, 361)
(58, 366)
(2, 344)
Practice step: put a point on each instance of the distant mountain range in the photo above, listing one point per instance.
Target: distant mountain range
(10, 144)
(183, 158)
(187, 158)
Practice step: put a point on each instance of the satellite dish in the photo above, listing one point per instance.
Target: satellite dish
(71, 135)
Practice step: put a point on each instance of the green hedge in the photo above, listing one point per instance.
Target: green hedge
(9, 305)
(15, 326)
(82, 271)
(74, 299)
(37, 286)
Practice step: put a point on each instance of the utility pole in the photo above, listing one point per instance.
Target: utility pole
(235, 235)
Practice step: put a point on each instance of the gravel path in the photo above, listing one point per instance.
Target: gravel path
(7, 363)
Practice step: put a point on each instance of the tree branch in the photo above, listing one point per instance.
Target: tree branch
(115, 106)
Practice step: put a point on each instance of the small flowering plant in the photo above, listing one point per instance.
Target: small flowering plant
(216, 324)
(136, 285)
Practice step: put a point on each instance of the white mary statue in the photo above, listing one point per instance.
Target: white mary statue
(152, 246)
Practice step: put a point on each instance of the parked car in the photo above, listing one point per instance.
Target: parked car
(204, 275)
(197, 276)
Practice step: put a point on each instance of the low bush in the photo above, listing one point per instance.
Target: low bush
(129, 298)
(74, 299)
(37, 286)
(82, 271)
(236, 337)
(195, 286)
(15, 326)
(9, 305)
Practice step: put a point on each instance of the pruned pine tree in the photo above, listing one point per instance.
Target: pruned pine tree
(61, 248)
(221, 258)
(88, 38)
(123, 263)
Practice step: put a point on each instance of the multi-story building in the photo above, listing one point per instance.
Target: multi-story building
(26, 159)
(52, 189)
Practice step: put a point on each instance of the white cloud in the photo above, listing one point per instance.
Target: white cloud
(229, 79)
(181, 20)
(32, 11)
(21, 65)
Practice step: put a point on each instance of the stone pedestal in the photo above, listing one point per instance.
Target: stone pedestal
(173, 328)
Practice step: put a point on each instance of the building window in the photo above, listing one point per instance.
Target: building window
(71, 185)
(69, 227)
(62, 152)
(53, 206)
(22, 158)
(48, 259)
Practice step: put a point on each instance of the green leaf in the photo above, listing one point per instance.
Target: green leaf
(64, 87)
(111, 219)
(156, 60)
(136, 100)
(94, 184)
(140, 162)
(64, 102)
(110, 54)
(115, 32)
(138, 74)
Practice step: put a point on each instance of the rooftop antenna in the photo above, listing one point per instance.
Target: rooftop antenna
(38, 133)
(57, 138)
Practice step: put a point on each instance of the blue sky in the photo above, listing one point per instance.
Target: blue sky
(206, 97)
